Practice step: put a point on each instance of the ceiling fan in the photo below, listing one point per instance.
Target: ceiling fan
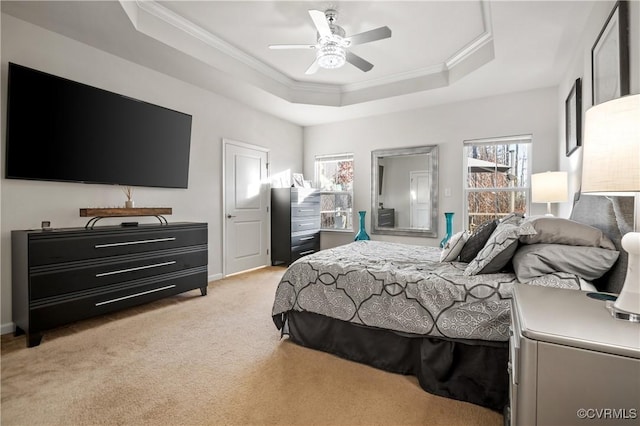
(332, 45)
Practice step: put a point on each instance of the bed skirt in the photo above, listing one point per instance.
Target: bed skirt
(470, 370)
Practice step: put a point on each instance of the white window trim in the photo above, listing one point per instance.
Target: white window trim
(335, 157)
(521, 139)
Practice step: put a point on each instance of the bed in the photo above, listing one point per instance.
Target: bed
(400, 308)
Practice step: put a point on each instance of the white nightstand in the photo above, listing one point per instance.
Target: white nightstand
(570, 362)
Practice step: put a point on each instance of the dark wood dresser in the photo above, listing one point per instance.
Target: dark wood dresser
(386, 218)
(295, 224)
(64, 275)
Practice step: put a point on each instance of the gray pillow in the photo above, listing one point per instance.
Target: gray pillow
(478, 239)
(555, 230)
(499, 249)
(589, 263)
(514, 218)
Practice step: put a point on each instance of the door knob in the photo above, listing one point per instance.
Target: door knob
(229, 216)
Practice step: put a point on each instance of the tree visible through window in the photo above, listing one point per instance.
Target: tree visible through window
(497, 178)
(334, 178)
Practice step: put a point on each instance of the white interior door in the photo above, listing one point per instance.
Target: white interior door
(246, 212)
(420, 199)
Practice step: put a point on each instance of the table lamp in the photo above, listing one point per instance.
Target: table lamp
(611, 163)
(549, 187)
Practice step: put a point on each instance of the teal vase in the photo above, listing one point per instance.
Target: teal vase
(448, 216)
(362, 233)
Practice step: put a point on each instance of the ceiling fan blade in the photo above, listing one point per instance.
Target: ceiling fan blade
(312, 68)
(358, 62)
(368, 36)
(292, 46)
(320, 21)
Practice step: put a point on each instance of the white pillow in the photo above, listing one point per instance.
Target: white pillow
(453, 247)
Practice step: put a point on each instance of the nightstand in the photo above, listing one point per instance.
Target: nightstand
(570, 362)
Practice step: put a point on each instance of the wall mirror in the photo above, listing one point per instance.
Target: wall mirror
(404, 191)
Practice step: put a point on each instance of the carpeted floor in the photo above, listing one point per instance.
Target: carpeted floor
(192, 360)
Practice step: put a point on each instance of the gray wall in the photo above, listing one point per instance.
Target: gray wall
(581, 68)
(26, 203)
(532, 112)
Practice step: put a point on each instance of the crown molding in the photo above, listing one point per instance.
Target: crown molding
(443, 68)
(476, 44)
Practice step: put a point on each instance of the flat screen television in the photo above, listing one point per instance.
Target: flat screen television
(62, 130)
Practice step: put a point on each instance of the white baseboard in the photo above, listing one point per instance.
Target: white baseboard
(214, 277)
(7, 328)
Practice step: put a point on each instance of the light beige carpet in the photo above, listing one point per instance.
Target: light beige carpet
(191, 360)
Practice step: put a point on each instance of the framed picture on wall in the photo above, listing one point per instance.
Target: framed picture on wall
(573, 117)
(610, 57)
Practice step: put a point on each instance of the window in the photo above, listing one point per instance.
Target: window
(334, 178)
(497, 176)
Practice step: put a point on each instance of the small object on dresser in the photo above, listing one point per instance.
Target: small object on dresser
(46, 225)
(128, 191)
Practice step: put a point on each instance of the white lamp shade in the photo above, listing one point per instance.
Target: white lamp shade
(611, 157)
(549, 187)
(611, 163)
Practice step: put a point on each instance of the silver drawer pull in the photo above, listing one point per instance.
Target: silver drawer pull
(303, 253)
(305, 210)
(306, 238)
(128, 243)
(137, 268)
(135, 295)
(305, 224)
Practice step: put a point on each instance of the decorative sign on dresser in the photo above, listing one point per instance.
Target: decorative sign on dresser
(100, 213)
(64, 275)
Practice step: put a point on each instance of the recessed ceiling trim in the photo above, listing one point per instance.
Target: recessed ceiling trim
(409, 75)
(170, 17)
(317, 93)
(443, 68)
(478, 43)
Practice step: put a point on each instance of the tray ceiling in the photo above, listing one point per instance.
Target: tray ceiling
(439, 52)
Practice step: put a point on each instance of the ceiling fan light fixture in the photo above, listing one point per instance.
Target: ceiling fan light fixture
(331, 46)
(331, 55)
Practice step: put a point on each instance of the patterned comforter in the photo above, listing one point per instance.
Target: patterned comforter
(403, 288)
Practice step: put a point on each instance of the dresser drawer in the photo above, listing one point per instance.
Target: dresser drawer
(305, 195)
(304, 224)
(50, 281)
(92, 244)
(386, 217)
(303, 250)
(303, 210)
(300, 239)
(49, 313)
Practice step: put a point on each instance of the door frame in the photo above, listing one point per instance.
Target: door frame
(226, 142)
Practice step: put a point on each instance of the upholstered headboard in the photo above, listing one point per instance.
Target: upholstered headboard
(613, 216)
